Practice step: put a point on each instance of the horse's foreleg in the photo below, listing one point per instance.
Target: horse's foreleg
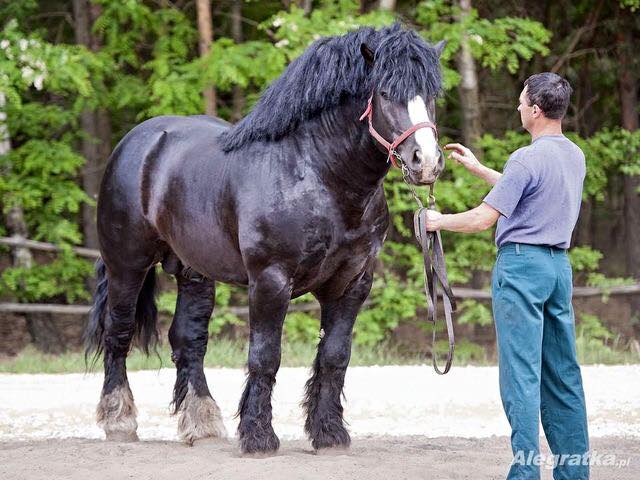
(116, 412)
(324, 424)
(269, 295)
(199, 414)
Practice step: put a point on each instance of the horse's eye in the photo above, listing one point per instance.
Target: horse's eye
(384, 94)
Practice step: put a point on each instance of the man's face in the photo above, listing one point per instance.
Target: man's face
(528, 114)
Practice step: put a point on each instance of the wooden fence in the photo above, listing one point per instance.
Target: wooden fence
(460, 292)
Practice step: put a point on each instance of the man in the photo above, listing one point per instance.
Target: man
(536, 203)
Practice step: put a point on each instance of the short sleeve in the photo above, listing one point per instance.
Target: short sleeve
(508, 190)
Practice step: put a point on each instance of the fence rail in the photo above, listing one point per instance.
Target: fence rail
(460, 292)
(46, 247)
(463, 293)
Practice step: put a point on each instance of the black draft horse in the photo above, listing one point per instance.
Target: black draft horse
(287, 201)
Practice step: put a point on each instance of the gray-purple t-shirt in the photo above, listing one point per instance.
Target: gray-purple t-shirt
(539, 193)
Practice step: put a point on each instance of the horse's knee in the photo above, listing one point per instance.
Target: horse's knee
(271, 286)
(360, 289)
(188, 342)
(336, 354)
(264, 356)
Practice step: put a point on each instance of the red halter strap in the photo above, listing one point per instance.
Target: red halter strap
(391, 147)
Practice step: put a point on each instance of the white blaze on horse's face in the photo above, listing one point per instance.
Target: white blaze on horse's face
(425, 137)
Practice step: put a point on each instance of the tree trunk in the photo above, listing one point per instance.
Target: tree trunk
(16, 225)
(306, 5)
(205, 31)
(628, 91)
(236, 33)
(388, 5)
(468, 88)
(96, 125)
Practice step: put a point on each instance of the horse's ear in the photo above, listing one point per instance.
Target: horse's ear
(367, 54)
(440, 47)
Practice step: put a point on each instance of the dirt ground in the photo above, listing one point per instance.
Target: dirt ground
(384, 458)
(406, 423)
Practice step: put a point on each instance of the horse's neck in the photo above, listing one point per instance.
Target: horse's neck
(344, 155)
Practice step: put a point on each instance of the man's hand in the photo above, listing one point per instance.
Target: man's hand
(432, 219)
(468, 160)
(464, 157)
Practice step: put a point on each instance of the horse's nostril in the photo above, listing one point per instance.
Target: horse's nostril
(417, 158)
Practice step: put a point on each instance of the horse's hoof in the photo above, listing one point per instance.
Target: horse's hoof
(265, 444)
(200, 418)
(116, 414)
(122, 437)
(336, 439)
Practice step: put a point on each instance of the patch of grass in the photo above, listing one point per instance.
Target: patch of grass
(220, 353)
(233, 354)
(594, 351)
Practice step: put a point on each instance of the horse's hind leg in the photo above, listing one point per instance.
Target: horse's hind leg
(324, 423)
(116, 412)
(199, 414)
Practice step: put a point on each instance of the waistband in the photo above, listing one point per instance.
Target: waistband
(520, 248)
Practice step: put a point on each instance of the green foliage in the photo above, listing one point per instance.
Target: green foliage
(472, 311)
(62, 277)
(301, 327)
(496, 43)
(391, 302)
(608, 152)
(591, 327)
(294, 32)
(632, 5)
(466, 352)
(149, 65)
(39, 173)
(597, 344)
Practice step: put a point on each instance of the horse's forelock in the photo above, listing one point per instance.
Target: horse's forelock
(406, 66)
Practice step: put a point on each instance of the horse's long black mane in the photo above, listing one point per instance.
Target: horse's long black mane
(332, 70)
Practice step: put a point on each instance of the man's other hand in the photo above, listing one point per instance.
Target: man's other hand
(463, 156)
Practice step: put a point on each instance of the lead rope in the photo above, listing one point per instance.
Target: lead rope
(435, 272)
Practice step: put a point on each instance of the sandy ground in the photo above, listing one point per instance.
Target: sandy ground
(406, 422)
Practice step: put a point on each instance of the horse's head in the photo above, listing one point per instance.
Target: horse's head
(406, 81)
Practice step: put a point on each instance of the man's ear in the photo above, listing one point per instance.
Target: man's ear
(440, 47)
(367, 54)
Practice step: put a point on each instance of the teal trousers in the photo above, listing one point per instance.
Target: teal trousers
(539, 372)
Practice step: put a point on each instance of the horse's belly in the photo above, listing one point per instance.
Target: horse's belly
(204, 243)
(212, 256)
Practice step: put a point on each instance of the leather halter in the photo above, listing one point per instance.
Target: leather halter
(393, 155)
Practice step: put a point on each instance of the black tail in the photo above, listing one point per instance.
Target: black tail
(146, 331)
(94, 332)
(146, 336)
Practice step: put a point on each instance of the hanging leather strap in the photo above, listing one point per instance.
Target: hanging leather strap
(435, 272)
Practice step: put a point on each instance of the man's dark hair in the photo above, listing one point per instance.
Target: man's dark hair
(550, 92)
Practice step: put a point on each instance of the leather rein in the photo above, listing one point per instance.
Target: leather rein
(435, 270)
